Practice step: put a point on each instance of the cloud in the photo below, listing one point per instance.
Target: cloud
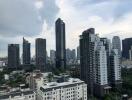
(49, 11)
(21, 17)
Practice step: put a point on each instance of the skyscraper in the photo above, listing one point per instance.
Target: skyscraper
(60, 44)
(126, 46)
(41, 54)
(26, 52)
(93, 62)
(13, 56)
(87, 58)
(100, 70)
(116, 44)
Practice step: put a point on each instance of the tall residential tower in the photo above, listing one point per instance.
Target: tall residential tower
(41, 53)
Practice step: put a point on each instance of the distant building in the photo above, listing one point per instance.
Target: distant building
(41, 54)
(130, 53)
(126, 46)
(52, 56)
(115, 68)
(78, 53)
(20, 95)
(35, 78)
(26, 52)
(13, 56)
(70, 56)
(116, 44)
(72, 89)
(60, 44)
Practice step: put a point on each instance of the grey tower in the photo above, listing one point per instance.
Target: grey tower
(41, 53)
(87, 58)
(26, 52)
(126, 46)
(116, 44)
(78, 53)
(60, 44)
(13, 56)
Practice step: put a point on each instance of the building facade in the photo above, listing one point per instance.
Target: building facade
(126, 46)
(115, 68)
(52, 56)
(87, 58)
(26, 52)
(116, 44)
(101, 74)
(13, 56)
(73, 89)
(23, 95)
(60, 44)
(41, 54)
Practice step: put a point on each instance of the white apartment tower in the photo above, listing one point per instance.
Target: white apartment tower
(101, 75)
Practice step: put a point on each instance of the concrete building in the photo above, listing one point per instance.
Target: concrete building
(126, 46)
(26, 52)
(87, 58)
(20, 95)
(13, 56)
(52, 56)
(94, 55)
(101, 74)
(41, 54)
(108, 48)
(116, 44)
(115, 68)
(70, 56)
(35, 78)
(60, 44)
(73, 89)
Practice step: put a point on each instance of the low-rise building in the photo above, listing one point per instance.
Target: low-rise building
(25, 95)
(73, 89)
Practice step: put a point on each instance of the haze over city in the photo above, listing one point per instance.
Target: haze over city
(36, 18)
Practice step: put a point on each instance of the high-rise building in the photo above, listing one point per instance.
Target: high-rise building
(26, 52)
(78, 53)
(87, 58)
(52, 56)
(41, 54)
(13, 56)
(108, 47)
(93, 62)
(101, 75)
(116, 44)
(115, 68)
(60, 44)
(126, 46)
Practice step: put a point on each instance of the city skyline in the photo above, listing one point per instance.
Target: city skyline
(41, 23)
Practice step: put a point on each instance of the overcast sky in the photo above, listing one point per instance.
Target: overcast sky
(36, 18)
